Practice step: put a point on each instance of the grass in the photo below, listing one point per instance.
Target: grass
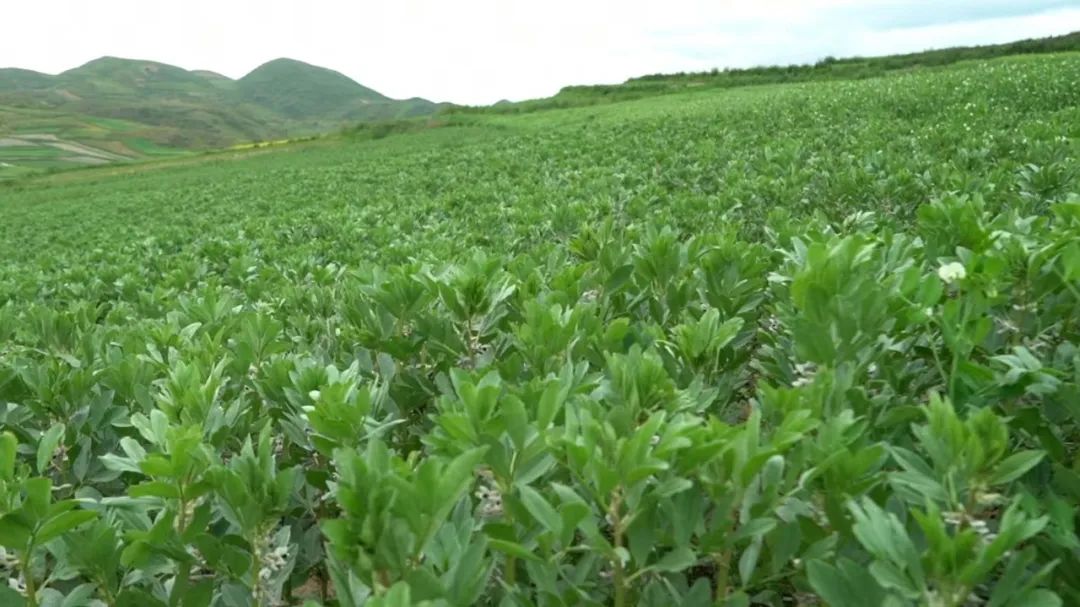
(148, 148)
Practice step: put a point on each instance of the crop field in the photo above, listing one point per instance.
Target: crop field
(808, 344)
(33, 140)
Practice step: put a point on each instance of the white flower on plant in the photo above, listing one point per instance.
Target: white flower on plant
(805, 373)
(18, 584)
(491, 503)
(951, 272)
(8, 560)
(274, 561)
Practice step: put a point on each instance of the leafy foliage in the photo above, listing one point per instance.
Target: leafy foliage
(763, 348)
(826, 69)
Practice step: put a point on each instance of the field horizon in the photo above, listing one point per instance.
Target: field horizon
(57, 122)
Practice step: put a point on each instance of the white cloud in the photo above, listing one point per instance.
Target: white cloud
(479, 51)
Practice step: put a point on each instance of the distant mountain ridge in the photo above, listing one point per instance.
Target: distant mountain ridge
(181, 109)
(299, 90)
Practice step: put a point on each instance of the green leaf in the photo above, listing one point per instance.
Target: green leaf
(754, 528)
(62, 523)
(200, 594)
(618, 278)
(47, 446)
(910, 461)
(1040, 597)
(135, 597)
(132, 449)
(672, 486)
(748, 561)
(424, 585)
(700, 595)
(917, 488)
(727, 332)
(737, 599)
(1015, 466)
(553, 397)
(513, 549)
(79, 597)
(398, 596)
(677, 560)
(14, 531)
(540, 509)
(157, 465)
(9, 446)
(10, 598)
(516, 419)
(155, 489)
(38, 496)
(846, 584)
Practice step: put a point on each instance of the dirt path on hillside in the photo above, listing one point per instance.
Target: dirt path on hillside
(53, 141)
(84, 150)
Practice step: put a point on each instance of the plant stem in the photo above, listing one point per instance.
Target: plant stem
(511, 571)
(181, 521)
(505, 487)
(618, 574)
(939, 365)
(31, 585)
(723, 561)
(382, 582)
(103, 586)
(723, 575)
(256, 566)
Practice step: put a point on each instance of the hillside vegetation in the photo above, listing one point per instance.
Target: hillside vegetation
(141, 104)
(827, 69)
(801, 344)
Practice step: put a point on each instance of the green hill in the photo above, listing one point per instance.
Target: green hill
(827, 69)
(162, 106)
(15, 79)
(319, 97)
(112, 76)
(301, 91)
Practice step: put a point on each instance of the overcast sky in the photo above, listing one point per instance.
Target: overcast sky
(480, 51)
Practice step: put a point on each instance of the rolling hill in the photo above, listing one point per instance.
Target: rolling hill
(128, 108)
(300, 91)
(827, 69)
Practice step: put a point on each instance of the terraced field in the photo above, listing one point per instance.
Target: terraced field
(810, 344)
(32, 141)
